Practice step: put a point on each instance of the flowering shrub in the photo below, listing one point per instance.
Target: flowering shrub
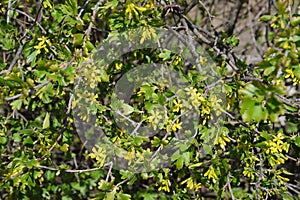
(47, 50)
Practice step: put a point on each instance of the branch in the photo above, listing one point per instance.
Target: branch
(88, 31)
(229, 187)
(74, 170)
(12, 64)
(124, 181)
(30, 18)
(28, 91)
(252, 31)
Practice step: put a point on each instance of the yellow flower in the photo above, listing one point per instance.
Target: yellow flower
(2, 9)
(99, 154)
(148, 33)
(205, 110)
(289, 73)
(278, 138)
(191, 184)
(177, 106)
(129, 156)
(118, 66)
(222, 141)
(175, 126)
(165, 185)
(47, 4)
(248, 173)
(44, 42)
(132, 10)
(210, 174)
(195, 97)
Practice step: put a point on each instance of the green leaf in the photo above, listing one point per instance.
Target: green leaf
(28, 141)
(31, 57)
(269, 70)
(111, 4)
(286, 196)
(76, 186)
(64, 147)
(165, 55)
(132, 180)
(252, 110)
(46, 122)
(127, 109)
(123, 197)
(3, 140)
(78, 39)
(32, 163)
(265, 135)
(196, 165)
(104, 77)
(179, 162)
(297, 70)
(17, 137)
(27, 131)
(150, 196)
(297, 141)
(17, 104)
(290, 108)
(50, 175)
(110, 196)
(207, 149)
(266, 18)
(296, 38)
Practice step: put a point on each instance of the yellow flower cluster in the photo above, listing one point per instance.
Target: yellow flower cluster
(47, 4)
(92, 75)
(276, 145)
(248, 172)
(275, 148)
(2, 9)
(165, 185)
(156, 117)
(195, 97)
(191, 184)
(86, 100)
(221, 140)
(290, 74)
(99, 154)
(148, 33)
(173, 125)
(119, 66)
(44, 42)
(177, 105)
(132, 10)
(129, 156)
(250, 165)
(211, 174)
(276, 82)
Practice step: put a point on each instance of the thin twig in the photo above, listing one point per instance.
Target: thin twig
(73, 170)
(8, 12)
(30, 18)
(28, 91)
(250, 23)
(229, 187)
(109, 171)
(288, 102)
(210, 16)
(88, 31)
(83, 8)
(124, 181)
(191, 44)
(12, 64)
